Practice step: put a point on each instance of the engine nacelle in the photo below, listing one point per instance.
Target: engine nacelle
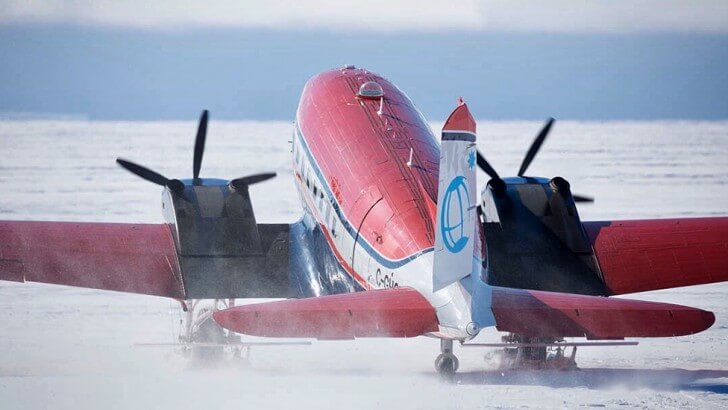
(535, 239)
(223, 251)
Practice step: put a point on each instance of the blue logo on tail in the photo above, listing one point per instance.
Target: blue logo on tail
(452, 215)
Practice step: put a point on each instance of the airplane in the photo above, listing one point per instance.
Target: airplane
(392, 243)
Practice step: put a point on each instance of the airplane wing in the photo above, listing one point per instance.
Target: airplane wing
(141, 258)
(643, 255)
(400, 312)
(137, 258)
(553, 314)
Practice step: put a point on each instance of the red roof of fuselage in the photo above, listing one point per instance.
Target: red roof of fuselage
(363, 157)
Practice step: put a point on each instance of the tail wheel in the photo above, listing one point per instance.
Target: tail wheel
(447, 364)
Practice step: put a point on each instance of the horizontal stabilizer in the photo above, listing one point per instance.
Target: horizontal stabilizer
(401, 312)
(551, 314)
(228, 344)
(553, 344)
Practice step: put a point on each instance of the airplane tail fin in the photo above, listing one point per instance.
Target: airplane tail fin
(456, 200)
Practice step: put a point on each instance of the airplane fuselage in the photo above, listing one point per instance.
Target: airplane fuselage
(366, 170)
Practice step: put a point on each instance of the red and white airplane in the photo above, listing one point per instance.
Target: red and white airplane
(392, 242)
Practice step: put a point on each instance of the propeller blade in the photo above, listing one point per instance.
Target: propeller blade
(535, 146)
(143, 172)
(485, 166)
(151, 176)
(498, 185)
(200, 144)
(242, 183)
(582, 198)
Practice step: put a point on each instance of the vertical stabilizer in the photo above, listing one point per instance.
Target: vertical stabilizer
(456, 200)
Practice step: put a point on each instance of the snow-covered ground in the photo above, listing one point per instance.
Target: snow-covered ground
(73, 348)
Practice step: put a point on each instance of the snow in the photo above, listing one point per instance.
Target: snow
(64, 347)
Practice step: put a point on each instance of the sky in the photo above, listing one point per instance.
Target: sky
(168, 59)
(577, 16)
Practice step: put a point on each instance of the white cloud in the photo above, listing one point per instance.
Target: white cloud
(384, 15)
(607, 16)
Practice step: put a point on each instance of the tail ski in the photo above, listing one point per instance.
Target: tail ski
(456, 200)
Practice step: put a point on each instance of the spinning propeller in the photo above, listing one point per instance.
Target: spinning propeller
(499, 185)
(176, 185)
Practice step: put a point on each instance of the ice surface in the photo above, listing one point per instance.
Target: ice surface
(73, 348)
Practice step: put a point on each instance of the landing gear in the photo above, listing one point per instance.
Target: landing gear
(203, 339)
(532, 353)
(446, 363)
(207, 333)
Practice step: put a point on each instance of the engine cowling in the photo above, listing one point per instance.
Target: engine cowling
(534, 238)
(223, 251)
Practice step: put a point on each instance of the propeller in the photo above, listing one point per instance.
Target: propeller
(535, 146)
(177, 186)
(499, 185)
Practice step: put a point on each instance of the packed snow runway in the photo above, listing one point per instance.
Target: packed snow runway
(74, 348)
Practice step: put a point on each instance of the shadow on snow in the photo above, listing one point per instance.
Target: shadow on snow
(714, 381)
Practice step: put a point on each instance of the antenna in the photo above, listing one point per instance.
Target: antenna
(381, 106)
(409, 163)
